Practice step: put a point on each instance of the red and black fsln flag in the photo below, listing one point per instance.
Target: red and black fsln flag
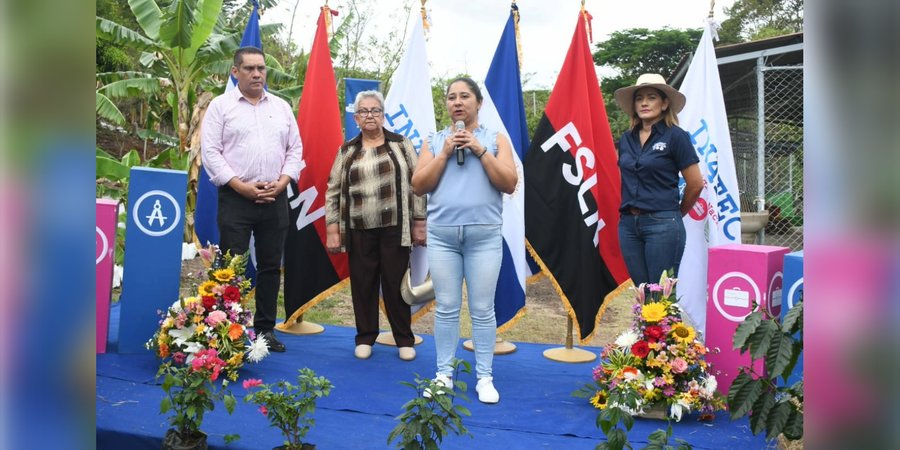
(572, 191)
(310, 272)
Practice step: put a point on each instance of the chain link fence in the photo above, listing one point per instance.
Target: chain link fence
(767, 139)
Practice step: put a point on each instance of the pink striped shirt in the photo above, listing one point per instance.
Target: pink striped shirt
(252, 142)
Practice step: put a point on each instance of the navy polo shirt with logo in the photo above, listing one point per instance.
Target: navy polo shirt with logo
(650, 173)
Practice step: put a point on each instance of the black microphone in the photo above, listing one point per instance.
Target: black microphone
(460, 152)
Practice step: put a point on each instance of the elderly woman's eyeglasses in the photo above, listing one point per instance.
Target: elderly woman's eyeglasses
(374, 112)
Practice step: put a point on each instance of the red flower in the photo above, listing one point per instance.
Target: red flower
(654, 332)
(264, 410)
(231, 294)
(208, 301)
(640, 349)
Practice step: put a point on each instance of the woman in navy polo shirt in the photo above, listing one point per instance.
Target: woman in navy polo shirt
(651, 155)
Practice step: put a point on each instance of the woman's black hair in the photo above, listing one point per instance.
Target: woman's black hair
(472, 85)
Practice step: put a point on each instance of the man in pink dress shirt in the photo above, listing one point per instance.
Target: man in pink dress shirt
(251, 150)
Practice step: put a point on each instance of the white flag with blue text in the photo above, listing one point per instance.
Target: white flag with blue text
(409, 110)
(716, 218)
(503, 109)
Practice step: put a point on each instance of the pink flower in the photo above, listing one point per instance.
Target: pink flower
(669, 391)
(639, 293)
(679, 365)
(655, 288)
(252, 382)
(216, 317)
(179, 357)
(667, 287)
(264, 410)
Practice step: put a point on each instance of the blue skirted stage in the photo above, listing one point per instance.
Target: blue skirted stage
(536, 408)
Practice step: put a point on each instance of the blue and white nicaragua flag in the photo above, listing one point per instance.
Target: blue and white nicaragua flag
(716, 218)
(503, 109)
(409, 110)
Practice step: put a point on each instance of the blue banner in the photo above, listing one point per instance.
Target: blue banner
(353, 86)
(152, 264)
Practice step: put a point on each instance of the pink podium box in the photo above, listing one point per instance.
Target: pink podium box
(739, 277)
(107, 215)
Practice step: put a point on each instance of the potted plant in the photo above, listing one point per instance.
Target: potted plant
(427, 420)
(289, 407)
(191, 391)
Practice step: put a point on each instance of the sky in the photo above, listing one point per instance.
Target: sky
(465, 33)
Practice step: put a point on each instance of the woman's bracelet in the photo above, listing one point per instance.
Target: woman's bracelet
(482, 154)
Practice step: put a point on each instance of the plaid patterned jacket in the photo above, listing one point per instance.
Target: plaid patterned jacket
(386, 197)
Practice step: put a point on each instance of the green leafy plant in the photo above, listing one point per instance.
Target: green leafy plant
(288, 406)
(192, 390)
(426, 421)
(771, 408)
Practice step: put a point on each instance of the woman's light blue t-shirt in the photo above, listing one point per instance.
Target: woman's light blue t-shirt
(464, 194)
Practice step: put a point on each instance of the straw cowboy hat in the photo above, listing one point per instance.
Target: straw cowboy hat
(625, 96)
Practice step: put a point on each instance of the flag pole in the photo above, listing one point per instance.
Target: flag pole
(569, 353)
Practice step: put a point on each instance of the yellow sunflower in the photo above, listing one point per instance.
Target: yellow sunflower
(206, 288)
(653, 312)
(223, 275)
(599, 400)
(683, 333)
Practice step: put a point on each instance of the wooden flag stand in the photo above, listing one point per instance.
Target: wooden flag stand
(387, 338)
(569, 354)
(501, 347)
(299, 327)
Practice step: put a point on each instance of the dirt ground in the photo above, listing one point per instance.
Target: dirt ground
(544, 320)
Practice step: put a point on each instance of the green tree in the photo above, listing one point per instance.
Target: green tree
(750, 20)
(631, 52)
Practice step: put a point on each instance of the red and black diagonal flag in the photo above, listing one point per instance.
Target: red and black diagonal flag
(572, 191)
(310, 272)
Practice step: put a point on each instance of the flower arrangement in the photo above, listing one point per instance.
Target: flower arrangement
(288, 406)
(212, 322)
(657, 362)
(203, 340)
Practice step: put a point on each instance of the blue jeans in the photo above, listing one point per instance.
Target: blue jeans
(473, 253)
(651, 243)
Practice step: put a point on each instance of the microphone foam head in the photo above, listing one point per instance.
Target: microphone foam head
(460, 124)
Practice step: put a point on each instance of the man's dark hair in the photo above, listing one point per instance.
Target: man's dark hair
(239, 54)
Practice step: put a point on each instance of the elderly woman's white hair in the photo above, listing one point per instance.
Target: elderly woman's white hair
(368, 94)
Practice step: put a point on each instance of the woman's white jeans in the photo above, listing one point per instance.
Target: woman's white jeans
(473, 253)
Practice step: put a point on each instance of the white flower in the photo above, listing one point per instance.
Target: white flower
(627, 339)
(710, 384)
(259, 349)
(182, 335)
(192, 347)
(676, 411)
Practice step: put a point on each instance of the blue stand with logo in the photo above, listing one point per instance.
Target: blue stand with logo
(152, 264)
(792, 293)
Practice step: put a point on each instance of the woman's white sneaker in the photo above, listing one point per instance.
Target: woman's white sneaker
(441, 381)
(486, 391)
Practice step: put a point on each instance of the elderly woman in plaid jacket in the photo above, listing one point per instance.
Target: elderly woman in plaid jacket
(373, 215)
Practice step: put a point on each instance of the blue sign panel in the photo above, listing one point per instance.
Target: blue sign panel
(791, 293)
(152, 265)
(353, 86)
